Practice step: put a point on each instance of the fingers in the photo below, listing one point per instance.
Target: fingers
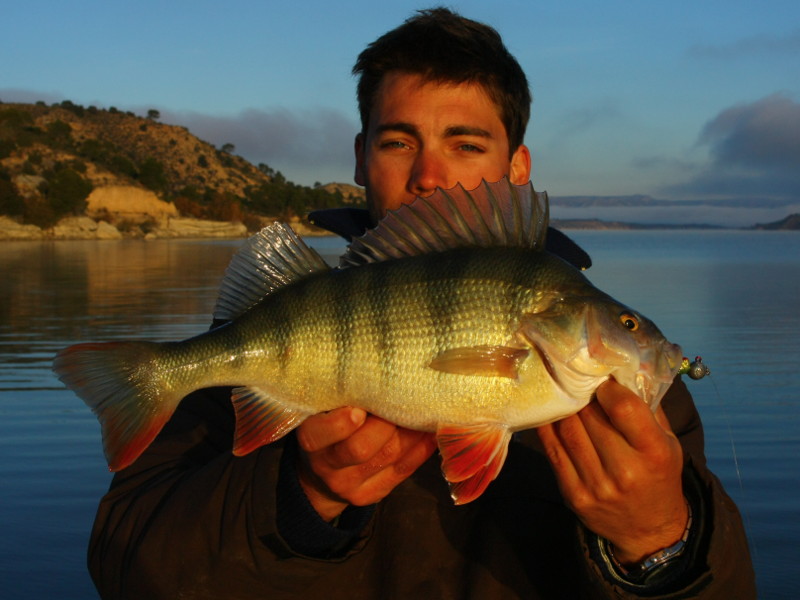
(391, 465)
(572, 451)
(618, 466)
(563, 466)
(325, 429)
(631, 417)
(350, 457)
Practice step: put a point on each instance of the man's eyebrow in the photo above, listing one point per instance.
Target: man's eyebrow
(451, 131)
(399, 126)
(457, 130)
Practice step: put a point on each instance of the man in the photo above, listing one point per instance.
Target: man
(612, 502)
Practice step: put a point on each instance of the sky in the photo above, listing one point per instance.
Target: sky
(676, 100)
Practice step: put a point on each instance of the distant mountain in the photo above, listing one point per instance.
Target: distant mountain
(791, 223)
(601, 224)
(642, 201)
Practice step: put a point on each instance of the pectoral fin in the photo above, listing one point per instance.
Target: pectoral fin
(260, 420)
(490, 361)
(472, 456)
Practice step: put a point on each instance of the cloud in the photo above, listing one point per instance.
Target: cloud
(759, 44)
(765, 133)
(754, 150)
(285, 139)
(579, 120)
(17, 95)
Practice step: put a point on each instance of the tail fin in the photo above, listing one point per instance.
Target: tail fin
(119, 382)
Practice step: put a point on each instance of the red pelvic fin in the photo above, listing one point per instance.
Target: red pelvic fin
(472, 456)
(260, 420)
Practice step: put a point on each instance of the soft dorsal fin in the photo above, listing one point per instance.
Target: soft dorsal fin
(493, 214)
(272, 258)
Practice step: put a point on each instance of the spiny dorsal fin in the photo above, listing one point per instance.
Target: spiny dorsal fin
(493, 214)
(272, 258)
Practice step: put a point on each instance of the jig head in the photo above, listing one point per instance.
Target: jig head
(696, 369)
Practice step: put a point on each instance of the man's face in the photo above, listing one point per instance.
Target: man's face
(423, 135)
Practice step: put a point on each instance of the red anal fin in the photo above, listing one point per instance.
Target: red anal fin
(472, 456)
(490, 361)
(260, 420)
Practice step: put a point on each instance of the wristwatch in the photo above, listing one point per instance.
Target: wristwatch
(639, 572)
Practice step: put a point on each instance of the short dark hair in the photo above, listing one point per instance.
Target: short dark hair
(443, 46)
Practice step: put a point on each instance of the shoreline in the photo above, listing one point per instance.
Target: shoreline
(87, 229)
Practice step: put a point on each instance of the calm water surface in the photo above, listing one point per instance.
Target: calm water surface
(731, 297)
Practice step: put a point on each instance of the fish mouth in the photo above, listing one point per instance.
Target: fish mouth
(657, 370)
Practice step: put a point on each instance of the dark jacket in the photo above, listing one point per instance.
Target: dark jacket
(190, 520)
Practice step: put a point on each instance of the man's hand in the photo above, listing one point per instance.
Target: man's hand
(619, 469)
(350, 457)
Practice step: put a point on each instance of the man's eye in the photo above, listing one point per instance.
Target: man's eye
(393, 144)
(470, 148)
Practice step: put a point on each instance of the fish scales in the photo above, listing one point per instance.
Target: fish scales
(409, 304)
(304, 323)
(382, 334)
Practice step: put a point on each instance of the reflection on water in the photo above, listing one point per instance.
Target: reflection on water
(729, 296)
(52, 470)
(100, 287)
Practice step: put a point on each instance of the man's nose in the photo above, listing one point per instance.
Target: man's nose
(428, 172)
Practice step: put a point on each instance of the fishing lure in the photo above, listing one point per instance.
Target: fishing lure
(696, 370)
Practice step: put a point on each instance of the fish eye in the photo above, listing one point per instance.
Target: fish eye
(629, 321)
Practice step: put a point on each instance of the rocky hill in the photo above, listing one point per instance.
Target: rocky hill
(134, 172)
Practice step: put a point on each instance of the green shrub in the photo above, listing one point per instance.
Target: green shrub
(66, 192)
(11, 203)
(15, 117)
(152, 175)
(59, 129)
(7, 147)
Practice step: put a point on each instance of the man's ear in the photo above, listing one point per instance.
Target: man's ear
(360, 174)
(520, 171)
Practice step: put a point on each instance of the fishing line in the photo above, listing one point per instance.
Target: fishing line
(698, 370)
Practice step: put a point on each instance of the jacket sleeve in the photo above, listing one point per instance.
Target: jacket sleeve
(717, 561)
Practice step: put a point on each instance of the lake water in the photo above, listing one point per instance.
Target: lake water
(730, 296)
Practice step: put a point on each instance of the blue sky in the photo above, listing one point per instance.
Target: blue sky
(678, 100)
